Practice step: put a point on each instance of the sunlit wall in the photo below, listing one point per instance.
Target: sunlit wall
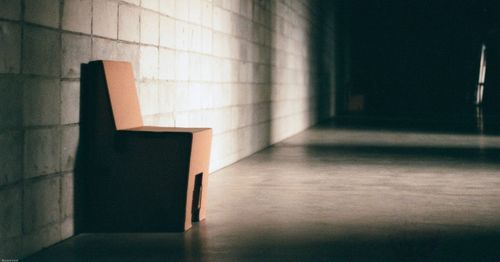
(256, 71)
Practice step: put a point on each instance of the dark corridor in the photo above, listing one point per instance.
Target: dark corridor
(421, 58)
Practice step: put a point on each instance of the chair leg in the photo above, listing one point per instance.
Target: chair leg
(197, 196)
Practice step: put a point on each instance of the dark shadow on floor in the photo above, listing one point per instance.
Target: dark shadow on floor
(259, 245)
(463, 124)
(397, 154)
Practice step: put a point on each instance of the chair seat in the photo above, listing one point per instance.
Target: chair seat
(167, 129)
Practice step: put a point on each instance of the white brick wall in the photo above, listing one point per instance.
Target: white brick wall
(246, 68)
(105, 17)
(149, 27)
(129, 23)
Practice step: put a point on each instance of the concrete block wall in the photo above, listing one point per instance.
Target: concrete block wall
(247, 68)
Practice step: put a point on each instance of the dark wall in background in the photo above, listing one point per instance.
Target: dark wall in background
(414, 57)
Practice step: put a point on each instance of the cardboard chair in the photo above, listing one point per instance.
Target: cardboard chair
(136, 178)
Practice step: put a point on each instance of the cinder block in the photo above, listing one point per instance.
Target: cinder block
(105, 18)
(246, 8)
(233, 71)
(130, 53)
(67, 207)
(182, 10)
(151, 4)
(217, 3)
(67, 228)
(216, 74)
(69, 147)
(10, 51)
(42, 12)
(103, 49)
(206, 41)
(41, 152)
(182, 98)
(221, 20)
(206, 14)
(166, 120)
(244, 72)
(77, 16)
(199, 117)
(182, 66)
(262, 113)
(134, 2)
(246, 28)
(194, 67)
(167, 64)
(42, 238)
(148, 97)
(183, 35)
(128, 23)
(207, 68)
(185, 102)
(75, 51)
(41, 101)
(167, 7)
(225, 148)
(11, 212)
(151, 120)
(260, 73)
(70, 102)
(149, 27)
(223, 94)
(244, 114)
(11, 99)
(215, 153)
(41, 54)
(187, 118)
(260, 15)
(11, 248)
(208, 94)
(220, 45)
(11, 9)
(243, 51)
(11, 150)
(195, 9)
(149, 62)
(166, 97)
(236, 25)
(41, 203)
(232, 5)
(196, 43)
(234, 47)
(167, 32)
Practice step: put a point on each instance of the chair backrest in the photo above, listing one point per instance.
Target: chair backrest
(120, 82)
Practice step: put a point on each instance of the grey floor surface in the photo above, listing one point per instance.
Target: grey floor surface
(335, 194)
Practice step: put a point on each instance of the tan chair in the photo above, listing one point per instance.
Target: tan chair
(136, 178)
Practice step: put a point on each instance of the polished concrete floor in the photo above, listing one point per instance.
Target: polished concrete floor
(336, 193)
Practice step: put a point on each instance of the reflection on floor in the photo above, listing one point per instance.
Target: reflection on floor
(336, 193)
